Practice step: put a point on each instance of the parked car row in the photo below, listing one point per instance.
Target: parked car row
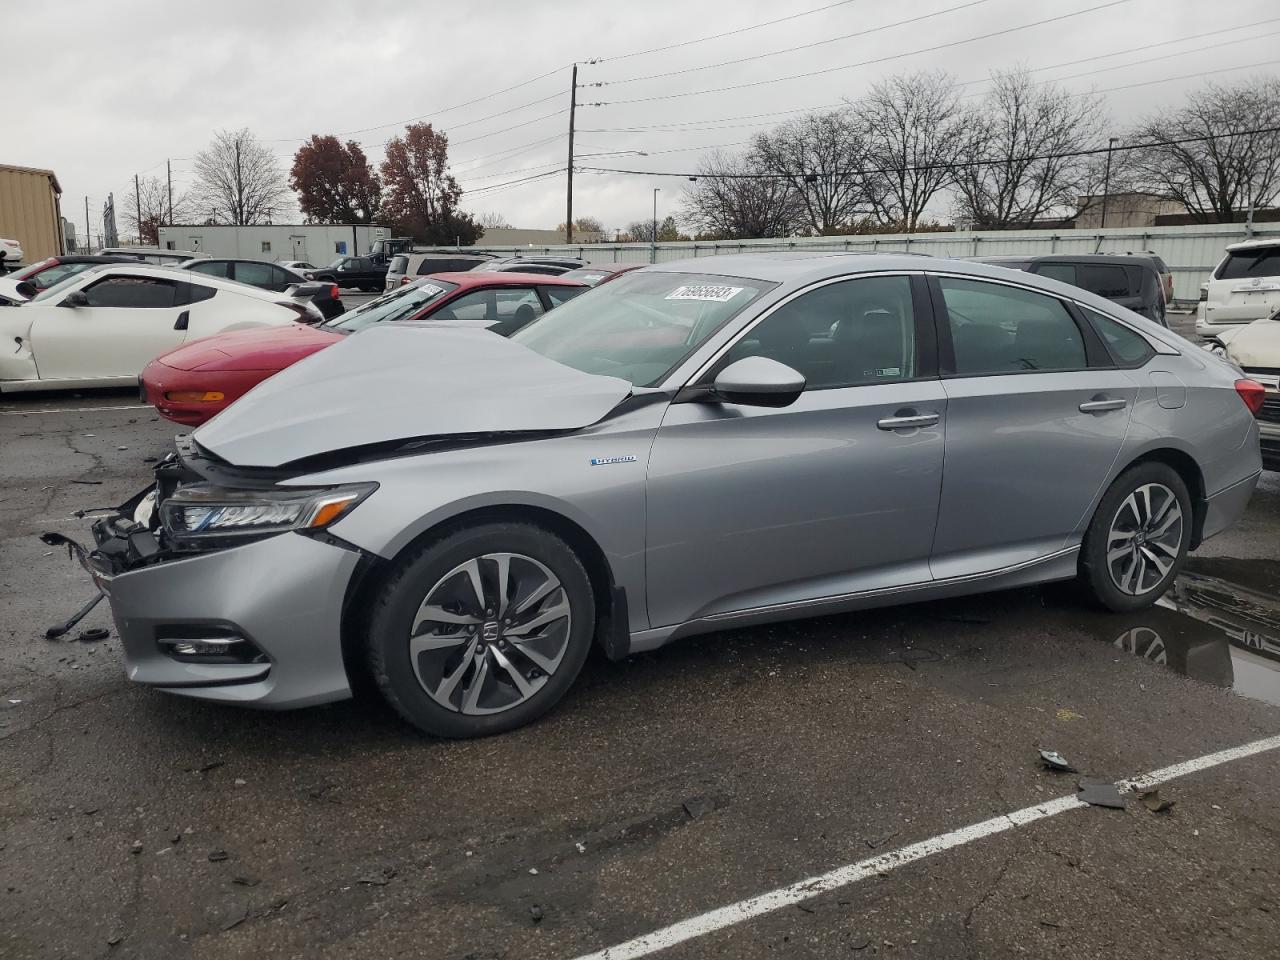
(459, 517)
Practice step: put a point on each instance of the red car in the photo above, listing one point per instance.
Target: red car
(191, 384)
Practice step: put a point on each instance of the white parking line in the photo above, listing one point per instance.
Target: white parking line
(27, 413)
(802, 890)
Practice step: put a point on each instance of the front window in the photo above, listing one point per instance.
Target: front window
(399, 305)
(641, 326)
(64, 285)
(57, 273)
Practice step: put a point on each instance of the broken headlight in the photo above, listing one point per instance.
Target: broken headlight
(198, 512)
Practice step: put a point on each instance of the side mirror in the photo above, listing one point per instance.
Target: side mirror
(758, 382)
(76, 298)
(26, 288)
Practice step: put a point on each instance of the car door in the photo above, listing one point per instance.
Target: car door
(130, 319)
(1036, 415)
(752, 506)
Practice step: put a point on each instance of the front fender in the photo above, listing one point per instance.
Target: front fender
(17, 361)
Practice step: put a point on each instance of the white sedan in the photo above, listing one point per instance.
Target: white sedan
(99, 328)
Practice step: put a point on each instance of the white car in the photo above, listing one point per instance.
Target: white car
(99, 328)
(1244, 287)
(300, 266)
(1255, 349)
(10, 254)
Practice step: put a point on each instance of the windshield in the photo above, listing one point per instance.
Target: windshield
(65, 284)
(641, 326)
(398, 305)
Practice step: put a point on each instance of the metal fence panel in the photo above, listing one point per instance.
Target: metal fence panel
(1191, 251)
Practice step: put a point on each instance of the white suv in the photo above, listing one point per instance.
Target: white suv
(1244, 287)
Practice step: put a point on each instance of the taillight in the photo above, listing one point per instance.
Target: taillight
(333, 292)
(404, 280)
(1204, 293)
(1252, 393)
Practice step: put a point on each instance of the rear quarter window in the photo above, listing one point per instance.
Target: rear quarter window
(1129, 348)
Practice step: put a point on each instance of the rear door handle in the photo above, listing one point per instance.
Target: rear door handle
(1101, 406)
(905, 423)
(184, 319)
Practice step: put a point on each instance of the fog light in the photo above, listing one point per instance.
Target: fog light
(211, 648)
(194, 396)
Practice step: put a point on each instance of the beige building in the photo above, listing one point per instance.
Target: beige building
(1125, 210)
(30, 211)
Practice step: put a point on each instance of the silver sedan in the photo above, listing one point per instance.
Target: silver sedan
(694, 446)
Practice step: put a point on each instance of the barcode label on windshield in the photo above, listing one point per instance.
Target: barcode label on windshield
(704, 291)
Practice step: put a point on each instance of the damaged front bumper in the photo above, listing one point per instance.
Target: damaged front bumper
(257, 623)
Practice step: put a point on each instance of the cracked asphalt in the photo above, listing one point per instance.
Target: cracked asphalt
(133, 824)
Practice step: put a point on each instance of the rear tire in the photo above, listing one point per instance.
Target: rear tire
(481, 665)
(1138, 538)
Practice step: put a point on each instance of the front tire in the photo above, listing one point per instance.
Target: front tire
(1138, 538)
(481, 631)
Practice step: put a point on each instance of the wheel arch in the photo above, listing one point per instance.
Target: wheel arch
(612, 619)
(1189, 470)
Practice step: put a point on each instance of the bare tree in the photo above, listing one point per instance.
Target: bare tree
(1217, 179)
(916, 132)
(152, 198)
(641, 231)
(731, 199)
(819, 157)
(238, 180)
(492, 221)
(1024, 168)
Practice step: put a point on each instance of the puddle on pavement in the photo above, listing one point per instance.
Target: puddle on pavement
(1219, 624)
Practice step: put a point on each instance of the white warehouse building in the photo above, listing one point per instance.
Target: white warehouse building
(318, 244)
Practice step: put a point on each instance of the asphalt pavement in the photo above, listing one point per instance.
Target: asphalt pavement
(689, 780)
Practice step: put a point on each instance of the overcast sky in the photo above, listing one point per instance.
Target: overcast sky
(128, 84)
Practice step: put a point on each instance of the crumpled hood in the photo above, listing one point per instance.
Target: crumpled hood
(1254, 345)
(398, 381)
(259, 348)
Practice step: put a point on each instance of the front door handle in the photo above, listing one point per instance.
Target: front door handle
(1101, 406)
(907, 422)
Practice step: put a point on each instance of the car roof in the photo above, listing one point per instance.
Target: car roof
(507, 278)
(141, 268)
(1254, 244)
(800, 269)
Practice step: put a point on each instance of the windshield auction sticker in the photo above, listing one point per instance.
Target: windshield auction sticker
(711, 293)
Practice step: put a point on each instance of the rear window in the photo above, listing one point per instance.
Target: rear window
(446, 265)
(398, 265)
(1264, 262)
(1106, 280)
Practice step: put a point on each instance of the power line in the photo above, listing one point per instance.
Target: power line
(504, 154)
(456, 106)
(803, 46)
(960, 165)
(709, 123)
(864, 63)
(495, 187)
(718, 36)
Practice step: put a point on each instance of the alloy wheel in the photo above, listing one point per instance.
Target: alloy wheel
(1144, 539)
(489, 633)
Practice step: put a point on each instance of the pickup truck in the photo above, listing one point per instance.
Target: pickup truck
(362, 273)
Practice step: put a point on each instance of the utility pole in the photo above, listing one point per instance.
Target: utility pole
(654, 248)
(87, 235)
(168, 170)
(573, 107)
(137, 205)
(1106, 180)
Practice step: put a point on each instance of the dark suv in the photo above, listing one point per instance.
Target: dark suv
(1132, 281)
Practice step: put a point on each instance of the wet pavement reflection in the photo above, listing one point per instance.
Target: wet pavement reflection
(1220, 624)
